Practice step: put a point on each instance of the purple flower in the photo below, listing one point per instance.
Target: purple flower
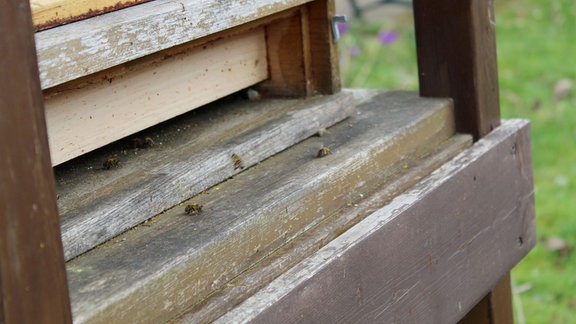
(386, 37)
(354, 50)
(342, 27)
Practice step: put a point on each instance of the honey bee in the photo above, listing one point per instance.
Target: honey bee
(321, 132)
(238, 164)
(193, 209)
(111, 162)
(141, 143)
(323, 151)
(149, 142)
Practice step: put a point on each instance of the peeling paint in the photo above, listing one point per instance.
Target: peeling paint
(42, 23)
(98, 42)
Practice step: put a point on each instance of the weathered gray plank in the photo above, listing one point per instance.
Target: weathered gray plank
(104, 203)
(175, 260)
(68, 52)
(407, 172)
(428, 256)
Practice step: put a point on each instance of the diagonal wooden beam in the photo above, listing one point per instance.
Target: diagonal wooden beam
(33, 287)
(456, 50)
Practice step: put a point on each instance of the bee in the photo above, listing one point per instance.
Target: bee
(193, 209)
(149, 141)
(321, 132)
(141, 143)
(323, 151)
(111, 162)
(238, 164)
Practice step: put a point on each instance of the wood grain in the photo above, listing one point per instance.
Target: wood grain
(33, 287)
(302, 58)
(50, 13)
(88, 46)
(84, 117)
(428, 256)
(268, 269)
(103, 204)
(175, 260)
(456, 50)
(287, 59)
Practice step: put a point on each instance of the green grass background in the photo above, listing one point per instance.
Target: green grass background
(536, 42)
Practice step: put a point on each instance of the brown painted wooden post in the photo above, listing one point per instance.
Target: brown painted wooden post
(495, 307)
(456, 49)
(33, 287)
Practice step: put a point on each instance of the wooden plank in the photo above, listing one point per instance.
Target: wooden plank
(82, 117)
(107, 202)
(50, 13)
(255, 278)
(428, 256)
(85, 47)
(176, 260)
(33, 287)
(456, 50)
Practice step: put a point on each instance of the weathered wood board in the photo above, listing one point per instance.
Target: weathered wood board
(50, 13)
(97, 204)
(407, 172)
(88, 46)
(174, 261)
(84, 117)
(427, 257)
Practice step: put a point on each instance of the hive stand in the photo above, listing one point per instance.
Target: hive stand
(303, 203)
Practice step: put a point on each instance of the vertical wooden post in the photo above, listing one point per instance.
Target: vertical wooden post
(456, 49)
(302, 58)
(494, 308)
(32, 271)
(501, 308)
(324, 63)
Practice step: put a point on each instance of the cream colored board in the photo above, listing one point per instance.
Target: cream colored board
(81, 120)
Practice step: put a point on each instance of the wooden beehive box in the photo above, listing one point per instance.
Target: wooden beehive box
(180, 199)
(115, 74)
